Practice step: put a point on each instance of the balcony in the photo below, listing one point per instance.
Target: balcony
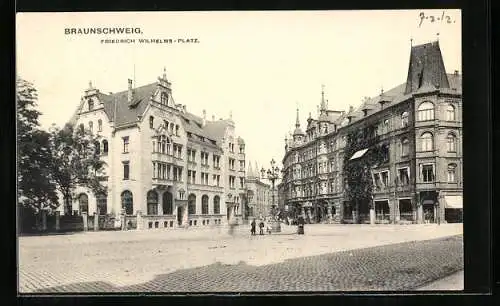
(162, 157)
(163, 181)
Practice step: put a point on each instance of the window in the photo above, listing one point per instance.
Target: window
(451, 173)
(377, 182)
(127, 202)
(152, 200)
(105, 146)
(83, 201)
(97, 147)
(191, 155)
(385, 178)
(126, 170)
(404, 177)
(82, 127)
(425, 111)
(191, 177)
(192, 204)
(151, 122)
(405, 147)
(91, 104)
(231, 181)
(428, 173)
(404, 119)
(451, 142)
(242, 149)
(165, 124)
(125, 144)
(204, 178)
(204, 204)
(91, 126)
(450, 113)
(231, 163)
(242, 182)
(176, 130)
(164, 98)
(204, 158)
(99, 125)
(168, 204)
(386, 126)
(216, 160)
(427, 142)
(102, 203)
(242, 165)
(216, 180)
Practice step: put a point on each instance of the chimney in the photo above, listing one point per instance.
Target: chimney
(129, 97)
(456, 72)
(204, 117)
(184, 108)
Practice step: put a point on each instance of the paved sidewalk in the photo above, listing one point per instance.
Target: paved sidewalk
(124, 259)
(451, 282)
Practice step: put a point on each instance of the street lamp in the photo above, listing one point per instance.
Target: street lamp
(272, 174)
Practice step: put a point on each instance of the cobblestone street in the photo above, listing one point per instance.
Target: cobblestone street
(326, 258)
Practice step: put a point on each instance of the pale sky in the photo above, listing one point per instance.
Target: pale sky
(260, 66)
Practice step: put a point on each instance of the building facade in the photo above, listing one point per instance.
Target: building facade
(164, 167)
(416, 131)
(259, 194)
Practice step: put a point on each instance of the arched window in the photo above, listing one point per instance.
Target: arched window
(176, 130)
(102, 203)
(216, 205)
(192, 204)
(172, 128)
(82, 127)
(404, 119)
(452, 173)
(425, 111)
(451, 141)
(151, 122)
(405, 147)
(204, 204)
(99, 125)
(164, 98)
(91, 126)
(152, 200)
(83, 202)
(450, 113)
(427, 141)
(97, 146)
(105, 146)
(168, 204)
(128, 202)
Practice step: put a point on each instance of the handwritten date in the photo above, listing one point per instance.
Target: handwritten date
(432, 18)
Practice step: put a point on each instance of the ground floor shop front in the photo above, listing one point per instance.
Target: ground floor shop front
(426, 206)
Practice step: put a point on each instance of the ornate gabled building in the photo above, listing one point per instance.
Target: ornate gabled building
(165, 167)
(407, 141)
(259, 194)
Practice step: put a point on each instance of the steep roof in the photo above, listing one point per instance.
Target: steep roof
(426, 68)
(126, 112)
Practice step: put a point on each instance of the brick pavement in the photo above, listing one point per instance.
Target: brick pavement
(154, 262)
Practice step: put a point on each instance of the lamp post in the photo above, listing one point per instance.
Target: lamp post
(272, 174)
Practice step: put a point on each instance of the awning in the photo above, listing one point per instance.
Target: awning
(358, 154)
(453, 201)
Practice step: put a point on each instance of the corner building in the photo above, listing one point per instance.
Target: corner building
(164, 167)
(419, 126)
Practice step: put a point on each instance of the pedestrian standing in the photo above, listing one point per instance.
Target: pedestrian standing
(261, 227)
(253, 224)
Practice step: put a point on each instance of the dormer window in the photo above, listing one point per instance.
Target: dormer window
(91, 104)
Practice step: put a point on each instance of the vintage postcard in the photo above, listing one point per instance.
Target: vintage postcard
(239, 151)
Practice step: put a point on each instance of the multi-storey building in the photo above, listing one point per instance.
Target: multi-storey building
(259, 194)
(418, 128)
(164, 167)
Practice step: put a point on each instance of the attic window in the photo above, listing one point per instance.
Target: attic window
(91, 104)
(365, 112)
(164, 98)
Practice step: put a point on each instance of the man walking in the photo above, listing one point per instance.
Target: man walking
(253, 224)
